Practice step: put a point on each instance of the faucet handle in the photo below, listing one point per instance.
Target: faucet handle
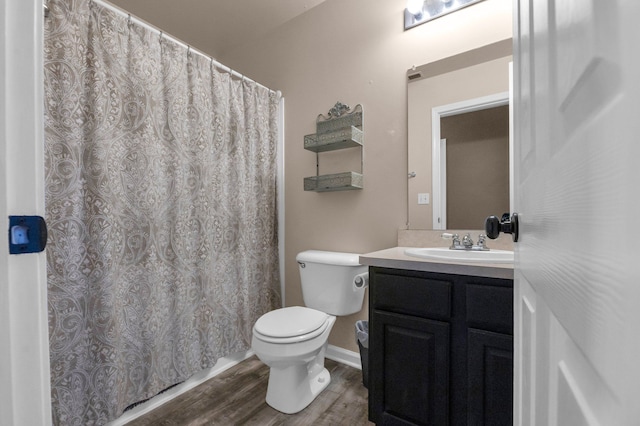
(455, 237)
(481, 245)
(448, 236)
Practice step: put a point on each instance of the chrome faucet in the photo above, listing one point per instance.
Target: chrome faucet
(467, 242)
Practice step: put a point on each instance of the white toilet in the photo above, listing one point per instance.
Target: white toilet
(292, 341)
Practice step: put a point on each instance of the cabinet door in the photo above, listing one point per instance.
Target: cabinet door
(490, 362)
(409, 370)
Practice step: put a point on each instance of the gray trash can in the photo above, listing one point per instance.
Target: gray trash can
(362, 336)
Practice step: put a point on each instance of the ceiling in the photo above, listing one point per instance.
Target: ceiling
(215, 26)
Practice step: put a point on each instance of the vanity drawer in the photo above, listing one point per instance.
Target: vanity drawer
(490, 307)
(411, 295)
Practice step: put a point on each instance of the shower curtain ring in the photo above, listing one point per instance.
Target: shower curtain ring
(129, 19)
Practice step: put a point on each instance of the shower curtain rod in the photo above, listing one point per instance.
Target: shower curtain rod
(164, 35)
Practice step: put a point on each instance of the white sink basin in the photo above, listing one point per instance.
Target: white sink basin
(443, 253)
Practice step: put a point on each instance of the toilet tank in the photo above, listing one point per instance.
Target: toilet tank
(327, 281)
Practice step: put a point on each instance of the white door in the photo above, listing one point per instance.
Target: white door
(577, 153)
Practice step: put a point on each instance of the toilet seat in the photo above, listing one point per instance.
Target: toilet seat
(292, 324)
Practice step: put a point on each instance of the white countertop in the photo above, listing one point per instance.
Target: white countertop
(396, 259)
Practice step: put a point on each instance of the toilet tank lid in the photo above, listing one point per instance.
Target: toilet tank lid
(329, 257)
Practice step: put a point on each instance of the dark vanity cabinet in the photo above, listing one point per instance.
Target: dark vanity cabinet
(440, 348)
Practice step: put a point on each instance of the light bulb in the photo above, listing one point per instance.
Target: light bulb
(414, 7)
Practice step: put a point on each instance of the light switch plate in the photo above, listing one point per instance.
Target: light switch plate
(423, 198)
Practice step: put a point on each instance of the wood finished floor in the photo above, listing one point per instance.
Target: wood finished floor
(236, 397)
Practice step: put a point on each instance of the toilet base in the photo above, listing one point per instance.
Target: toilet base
(293, 388)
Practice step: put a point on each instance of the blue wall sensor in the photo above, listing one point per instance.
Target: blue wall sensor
(27, 234)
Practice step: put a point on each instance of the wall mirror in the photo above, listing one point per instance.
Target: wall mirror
(446, 100)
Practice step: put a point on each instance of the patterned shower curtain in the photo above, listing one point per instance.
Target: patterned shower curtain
(161, 207)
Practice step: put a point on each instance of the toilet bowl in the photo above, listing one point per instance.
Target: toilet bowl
(292, 341)
(296, 358)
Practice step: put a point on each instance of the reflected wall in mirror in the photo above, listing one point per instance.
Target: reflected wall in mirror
(470, 161)
(480, 73)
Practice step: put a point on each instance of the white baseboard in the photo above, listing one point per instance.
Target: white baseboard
(193, 381)
(344, 356)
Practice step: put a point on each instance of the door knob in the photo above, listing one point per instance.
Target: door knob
(493, 226)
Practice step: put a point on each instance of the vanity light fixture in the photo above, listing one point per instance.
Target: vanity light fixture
(421, 11)
(414, 7)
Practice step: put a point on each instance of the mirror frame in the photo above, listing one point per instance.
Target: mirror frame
(438, 174)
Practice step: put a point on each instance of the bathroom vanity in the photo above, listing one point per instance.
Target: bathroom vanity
(440, 342)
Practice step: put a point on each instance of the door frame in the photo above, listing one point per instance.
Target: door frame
(25, 396)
